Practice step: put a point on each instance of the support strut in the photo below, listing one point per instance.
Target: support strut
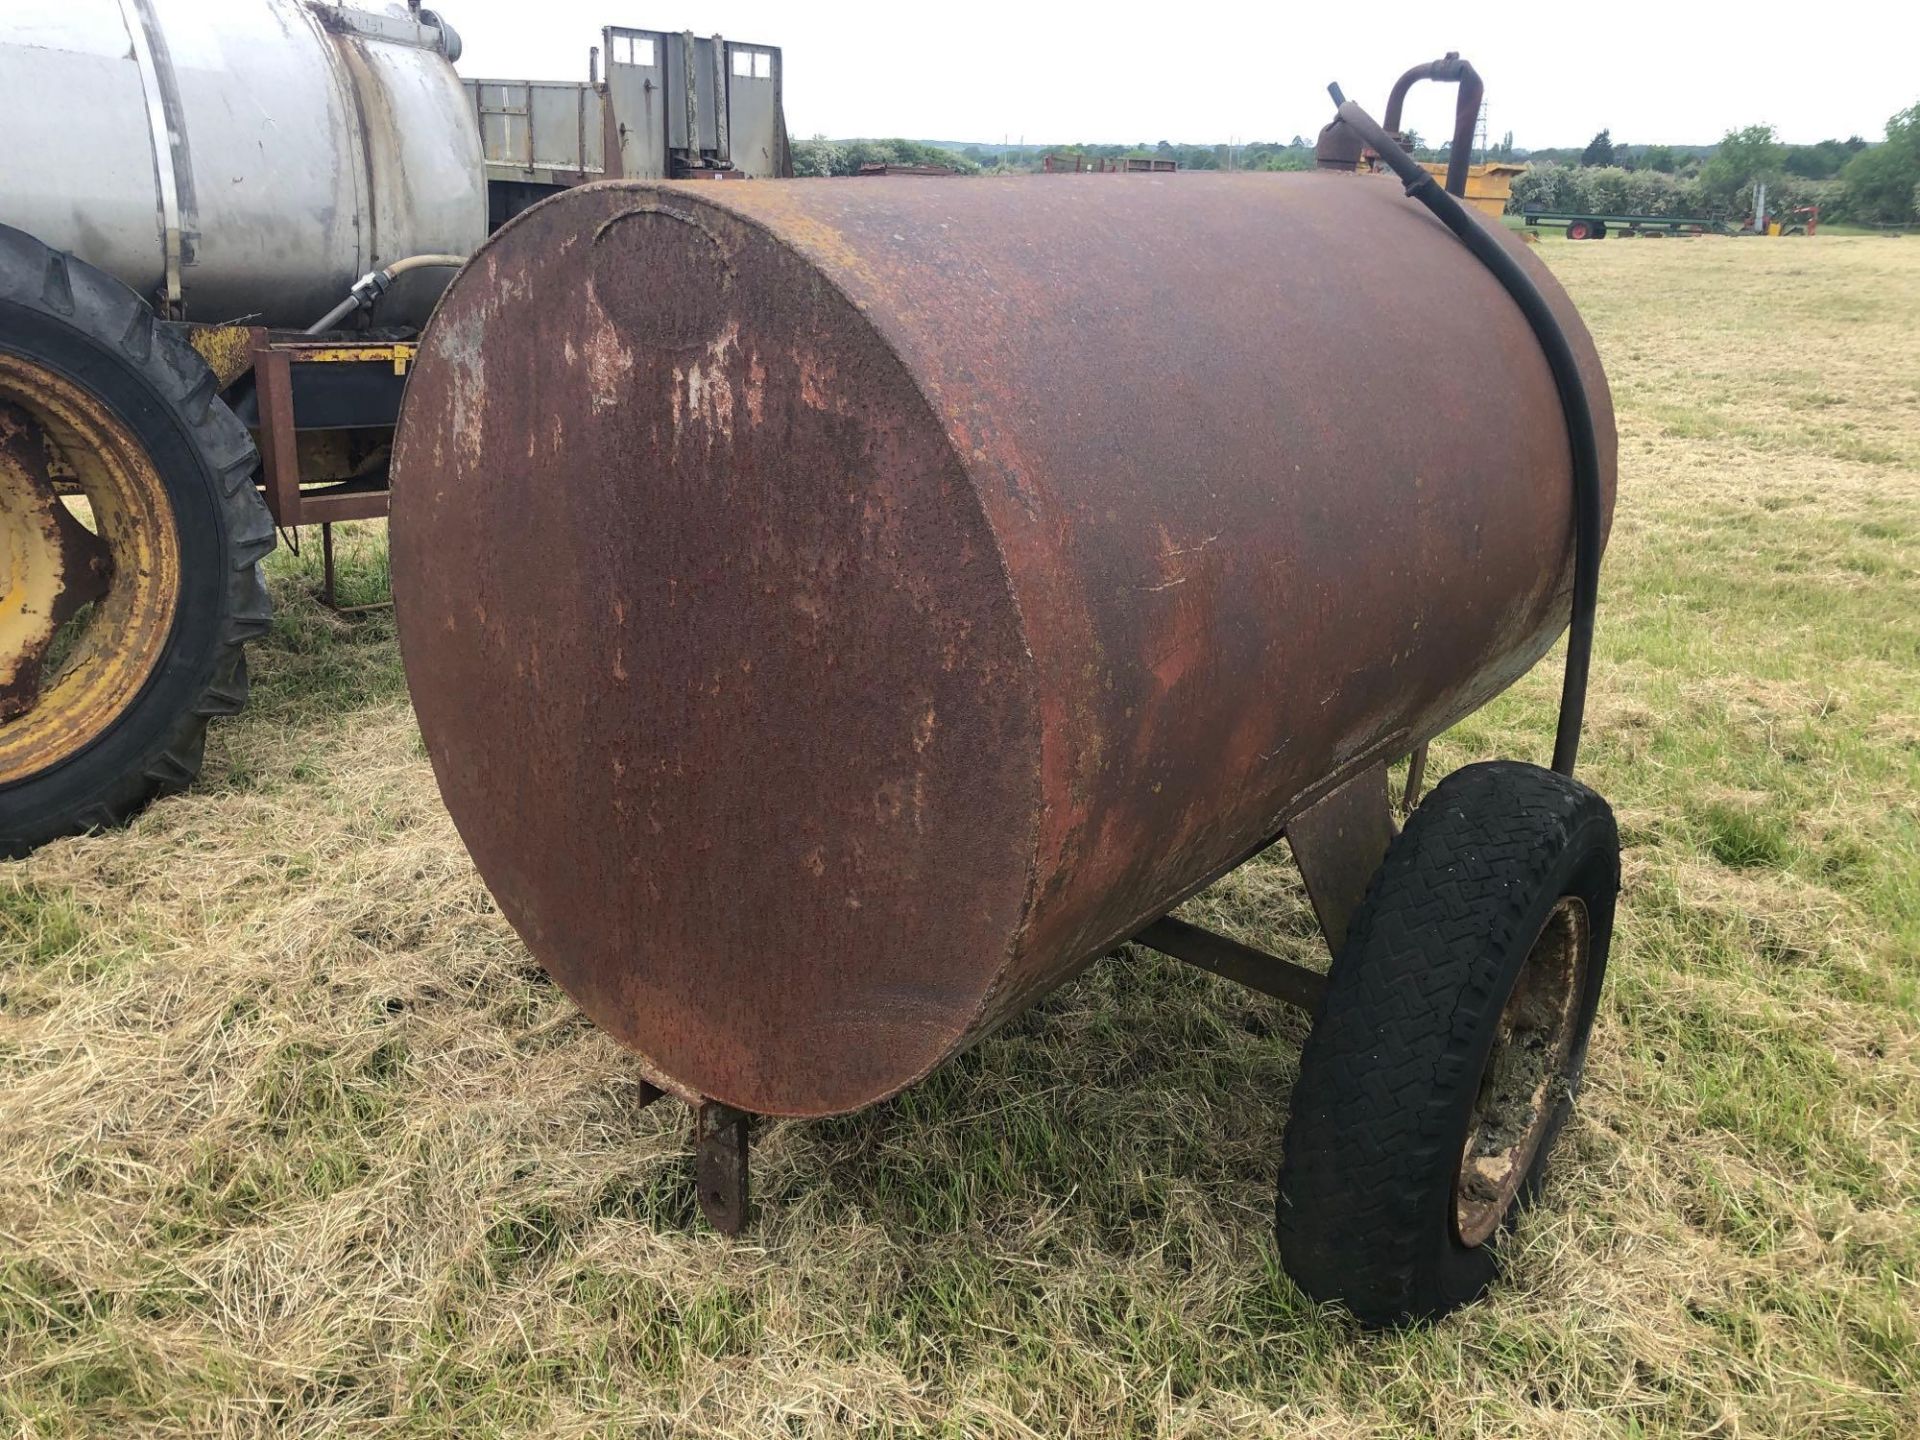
(720, 1165)
(1228, 958)
(1338, 842)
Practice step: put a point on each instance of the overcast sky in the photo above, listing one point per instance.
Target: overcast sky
(1651, 70)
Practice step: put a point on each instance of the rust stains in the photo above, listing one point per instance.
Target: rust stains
(999, 563)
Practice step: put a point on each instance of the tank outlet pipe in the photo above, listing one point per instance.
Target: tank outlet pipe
(1573, 401)
(368, 289)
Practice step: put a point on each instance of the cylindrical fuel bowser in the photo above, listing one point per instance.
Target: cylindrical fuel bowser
(838, 612)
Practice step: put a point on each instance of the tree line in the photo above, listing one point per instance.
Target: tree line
(1852, 179)
(821, 156)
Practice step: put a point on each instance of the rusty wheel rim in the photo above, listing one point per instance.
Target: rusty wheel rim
(88, 591)
(1526, 1075)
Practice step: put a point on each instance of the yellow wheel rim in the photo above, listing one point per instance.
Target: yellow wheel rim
(67, 672)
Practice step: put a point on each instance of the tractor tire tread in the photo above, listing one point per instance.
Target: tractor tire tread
(35, 276)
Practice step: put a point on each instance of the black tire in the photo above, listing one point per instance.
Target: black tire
(65, 316)
(1391, 1072)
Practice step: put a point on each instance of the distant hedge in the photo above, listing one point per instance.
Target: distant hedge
(1876, 184)
(1609, 190)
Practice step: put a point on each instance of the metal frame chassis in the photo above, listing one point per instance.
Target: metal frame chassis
(273, 363)
(291, 506)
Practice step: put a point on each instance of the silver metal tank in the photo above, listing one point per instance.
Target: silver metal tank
(240, 158)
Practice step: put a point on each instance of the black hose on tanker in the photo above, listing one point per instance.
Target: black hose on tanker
(1573, 400)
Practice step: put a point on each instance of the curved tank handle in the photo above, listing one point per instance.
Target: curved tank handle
(1466, 112)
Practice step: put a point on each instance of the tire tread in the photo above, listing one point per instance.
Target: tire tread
(1374, 1115)
(35, 276)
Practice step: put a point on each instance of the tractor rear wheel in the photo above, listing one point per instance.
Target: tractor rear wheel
(130, 539)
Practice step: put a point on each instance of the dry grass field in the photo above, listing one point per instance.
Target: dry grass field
(294, 1138)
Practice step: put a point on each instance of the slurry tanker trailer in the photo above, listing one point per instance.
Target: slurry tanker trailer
(222, 223)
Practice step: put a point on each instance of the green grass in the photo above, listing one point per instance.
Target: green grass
(298, 1141)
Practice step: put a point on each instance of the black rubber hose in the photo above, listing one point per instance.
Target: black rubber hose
(1573, 400)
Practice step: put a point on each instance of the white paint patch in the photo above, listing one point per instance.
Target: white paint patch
(703, 392)
(608, 365)
(459, 343)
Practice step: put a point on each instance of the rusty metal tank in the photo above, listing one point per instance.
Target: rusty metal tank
(839, 611)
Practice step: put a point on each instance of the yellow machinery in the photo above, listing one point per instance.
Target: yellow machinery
(1488, 186)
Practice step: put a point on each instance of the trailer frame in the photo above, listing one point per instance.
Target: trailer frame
(1595, 225)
